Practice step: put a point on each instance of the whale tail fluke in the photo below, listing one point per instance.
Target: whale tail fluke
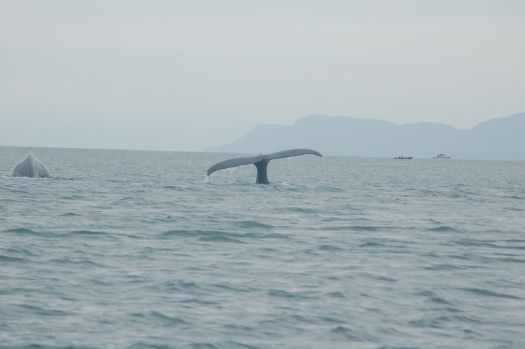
(260, 161)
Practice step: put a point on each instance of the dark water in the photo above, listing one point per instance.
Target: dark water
(128, 249)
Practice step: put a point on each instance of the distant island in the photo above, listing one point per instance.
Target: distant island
(495, 139)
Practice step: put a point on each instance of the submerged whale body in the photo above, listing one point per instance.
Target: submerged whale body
(260, 162)
(30, 166)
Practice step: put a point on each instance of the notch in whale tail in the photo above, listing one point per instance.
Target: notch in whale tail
(261, 162)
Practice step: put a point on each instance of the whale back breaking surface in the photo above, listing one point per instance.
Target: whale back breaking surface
(30, 166)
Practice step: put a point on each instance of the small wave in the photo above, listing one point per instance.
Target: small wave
(202, 345)
(433, 297)
(9, 259)
(302, 210)
(68, 214)
(444, 229)
(178, 187)
(489, 293)
(515, 197)
(349, 334)
(43, 346)
(163, 318)
(146, 345)
(63, 178)
(444, 266)
(336, 294)
(87, 232)
(440, 321)
(45, 311)
(512, 244)
(71, 197)
(372, 244)
(204, 235)
(511, 259)
(288, 294)
(22, 231)
(85, 262)
(253, 224)
(230, 288)
(364, 228)
(238, 327)
(519, 209)
(20, 251)
(124, 200)
(471, 242)
(329, 319)
(396, 347)
(378, 277)
(200, 301)
(330, 248)
(17, 190)
(485, 243)
(329, 189)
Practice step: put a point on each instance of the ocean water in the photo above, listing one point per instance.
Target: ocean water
(135, 249)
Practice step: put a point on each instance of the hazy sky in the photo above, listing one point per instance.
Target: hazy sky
(183, 75)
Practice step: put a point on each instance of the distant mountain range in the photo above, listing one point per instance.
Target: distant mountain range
(497, 139)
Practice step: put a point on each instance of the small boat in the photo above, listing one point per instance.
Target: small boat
(442, 156)
(401, 157)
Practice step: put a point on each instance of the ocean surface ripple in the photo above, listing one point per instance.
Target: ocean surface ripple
(136, 249)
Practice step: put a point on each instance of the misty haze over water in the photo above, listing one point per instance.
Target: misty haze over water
(495, 139)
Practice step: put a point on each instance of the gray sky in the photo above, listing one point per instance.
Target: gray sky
(183, 75)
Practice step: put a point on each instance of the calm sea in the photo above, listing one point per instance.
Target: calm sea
(136, 249)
